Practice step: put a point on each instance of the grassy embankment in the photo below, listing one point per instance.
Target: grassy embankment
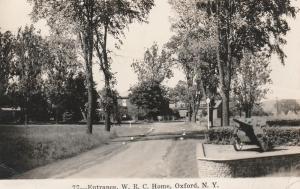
(23, 148)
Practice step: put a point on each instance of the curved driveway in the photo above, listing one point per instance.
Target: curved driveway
(166, 150)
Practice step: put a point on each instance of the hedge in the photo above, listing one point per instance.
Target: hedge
(284, 136)
(221, 135)
(278, 136)
(283, 122)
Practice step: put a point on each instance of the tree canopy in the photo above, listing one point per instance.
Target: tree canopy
(92, 21)
(156, 65)
(179, 93)
(256, 26)
(7, 44)
(30, 60)
(250, 81)
(151, 99)
(193, 50)
(287, 105)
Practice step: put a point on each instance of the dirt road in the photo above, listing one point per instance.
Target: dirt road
(165, 150)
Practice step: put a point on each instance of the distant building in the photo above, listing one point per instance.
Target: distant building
(127, 109)
(183, 111)
(9, 114)
(123, 101)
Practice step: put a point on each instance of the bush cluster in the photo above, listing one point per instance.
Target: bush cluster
(284, 136)
(277, 136)
(221, 135)
(283, 122)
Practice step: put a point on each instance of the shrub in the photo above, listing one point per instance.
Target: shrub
(283, 122)
(220, 135)
(277, 136)
(284, 136)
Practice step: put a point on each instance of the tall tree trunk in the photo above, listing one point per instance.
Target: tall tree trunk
(194, 118)
(225, 108)
(87, 43)
(105, 67)
(248, 112)
(195, 111)
(211, 115)
(56, 115)
(190, 113)
(222, 78)
(107, 119)
(107, 76)
(224, 93)
(90, 85)
(90, 102)
(108, 105)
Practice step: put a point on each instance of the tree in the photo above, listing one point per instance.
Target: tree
(7, 41)
(259, 111)
(74, 99)
(150, 98)
(287, 105)
(30, 60)
(112, 101)
(179, 93)
(242, 25)
(63, 66)
(249, 83)
(179, 96)
(80, 18)
(194, 52)
(115, 17)
(90, 19)
(155, 67)
(149, 95)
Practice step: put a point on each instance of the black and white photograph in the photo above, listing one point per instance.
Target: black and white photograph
(150, 89)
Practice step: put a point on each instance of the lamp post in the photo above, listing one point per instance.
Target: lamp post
(208, 116)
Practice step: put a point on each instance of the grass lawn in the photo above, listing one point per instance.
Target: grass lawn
(26, 147)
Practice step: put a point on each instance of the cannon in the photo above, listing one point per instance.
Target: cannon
(245, 134)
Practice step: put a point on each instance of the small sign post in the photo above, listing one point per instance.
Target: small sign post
(208, 116)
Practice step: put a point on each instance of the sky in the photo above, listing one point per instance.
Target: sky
(286, 78)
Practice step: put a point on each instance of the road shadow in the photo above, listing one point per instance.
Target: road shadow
(200, 135)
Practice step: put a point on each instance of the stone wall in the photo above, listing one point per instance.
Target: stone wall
(248, 167)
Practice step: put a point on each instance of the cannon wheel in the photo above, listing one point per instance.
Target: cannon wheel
(264, 144)
(237, 144)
